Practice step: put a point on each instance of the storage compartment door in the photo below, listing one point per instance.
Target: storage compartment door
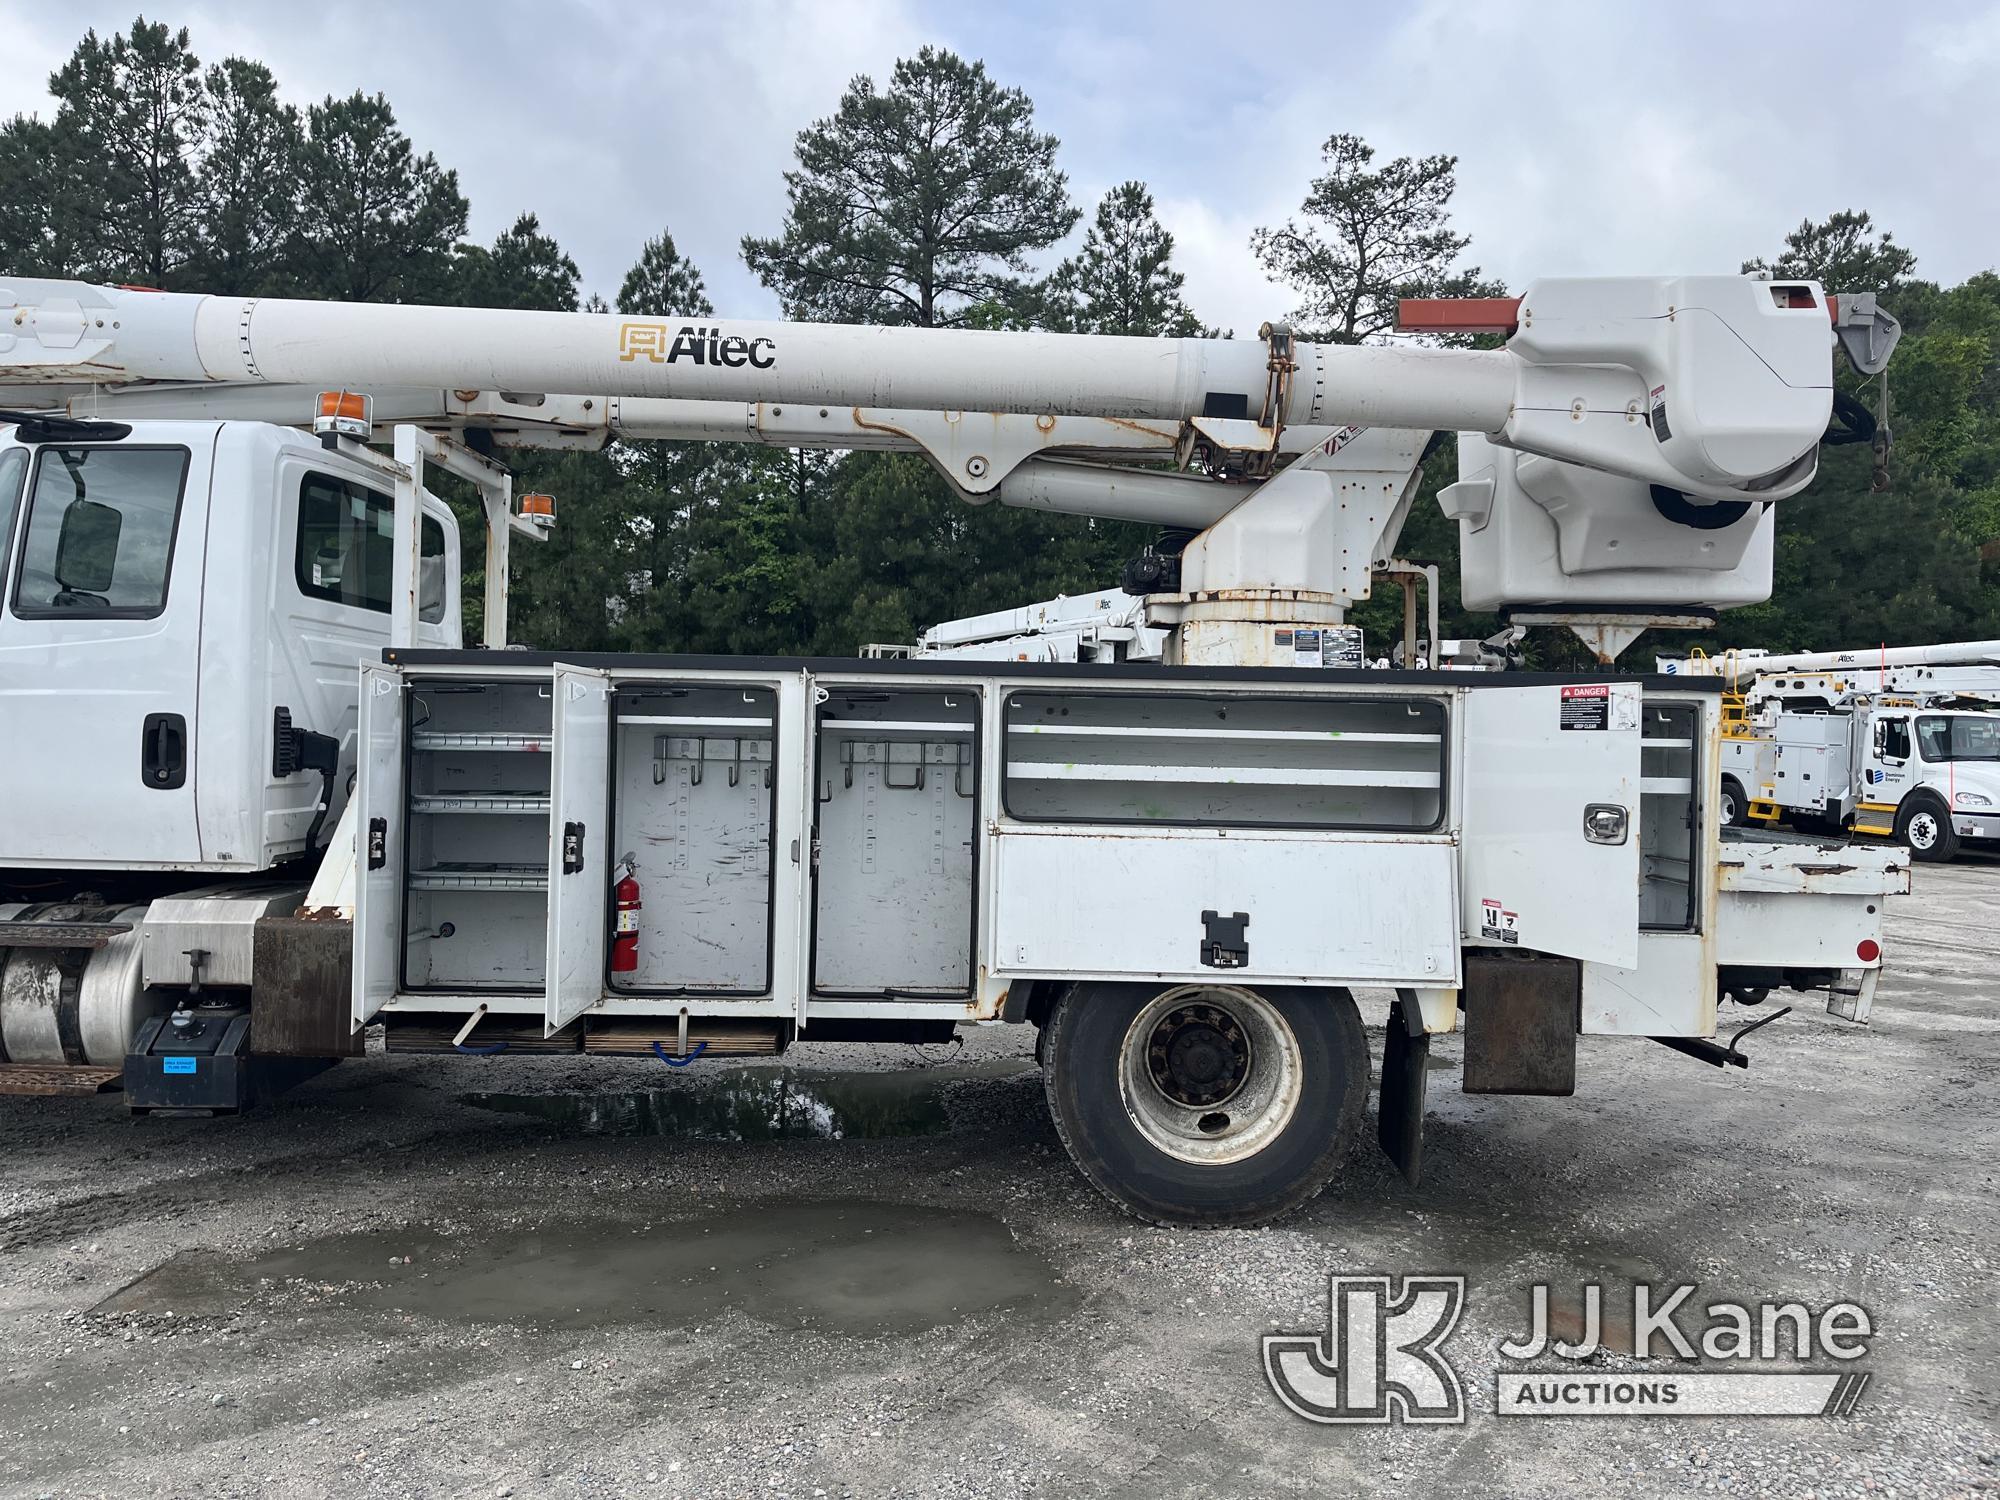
(1551, 819)
(378, 843)
(580, 852)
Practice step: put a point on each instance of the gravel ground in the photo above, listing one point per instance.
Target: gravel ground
(378, 1288)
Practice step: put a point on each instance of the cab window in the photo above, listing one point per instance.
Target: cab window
(1892, 739)
(100, 532)
(13, 469)
(346, 550)
(1944, 737)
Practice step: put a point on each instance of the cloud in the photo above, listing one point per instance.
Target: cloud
(1592, 139)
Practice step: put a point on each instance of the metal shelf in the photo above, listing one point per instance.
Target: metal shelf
(1034, 770)
(471, 877)
(483, 739)
(689, 721)
(1275, 736)
(945, 728)
(480, 802)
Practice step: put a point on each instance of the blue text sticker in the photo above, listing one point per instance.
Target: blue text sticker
(177, 1064)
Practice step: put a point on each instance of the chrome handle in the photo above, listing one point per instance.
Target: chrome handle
(1606, 823)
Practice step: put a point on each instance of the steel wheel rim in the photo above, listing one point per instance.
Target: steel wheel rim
(1238, 1084)
(1923, 830)
(1728, 806)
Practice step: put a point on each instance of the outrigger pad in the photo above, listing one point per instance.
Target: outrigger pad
(1406, 1059)
(1521, 1013)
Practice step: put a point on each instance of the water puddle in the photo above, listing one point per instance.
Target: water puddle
(840, 1267)
(763, 1104)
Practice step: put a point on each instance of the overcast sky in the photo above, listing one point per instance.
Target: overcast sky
(1592, 138)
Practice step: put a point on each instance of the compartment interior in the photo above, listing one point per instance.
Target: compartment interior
(475, 917)
(1667, 816)
(1234, 760)
(696, 797)
(897, 784)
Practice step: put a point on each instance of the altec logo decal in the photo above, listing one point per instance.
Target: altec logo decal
(695, 343)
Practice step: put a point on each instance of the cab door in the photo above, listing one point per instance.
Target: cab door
(1551, 786)
(100, 641)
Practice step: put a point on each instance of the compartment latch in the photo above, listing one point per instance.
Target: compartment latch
(1223, 945)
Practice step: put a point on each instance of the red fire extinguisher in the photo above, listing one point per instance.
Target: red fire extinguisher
(625, 942)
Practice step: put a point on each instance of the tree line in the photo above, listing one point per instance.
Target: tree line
(928, 200)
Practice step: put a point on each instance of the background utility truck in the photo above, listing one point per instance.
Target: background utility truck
(1899, 742)
(1178, 870)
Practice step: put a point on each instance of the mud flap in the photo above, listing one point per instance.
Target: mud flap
(1521, 1014)
(1406, 1055)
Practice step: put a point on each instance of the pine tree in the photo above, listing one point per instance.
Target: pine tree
(1370, 236)
(248, 183)
(131, 116)
(1843, 253)
(376, 222)
(1122, 280)
(662, 284)
(911, 205)
(33, 238)
(524, 268)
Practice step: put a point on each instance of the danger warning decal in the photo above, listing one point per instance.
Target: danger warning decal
(1587, 706)
(1497, 923)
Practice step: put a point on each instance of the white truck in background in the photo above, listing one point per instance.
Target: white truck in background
(1177, 870)
(1898, 742)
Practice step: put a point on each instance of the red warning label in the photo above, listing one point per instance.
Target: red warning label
(1587, 705)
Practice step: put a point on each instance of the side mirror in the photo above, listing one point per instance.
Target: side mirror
(87, 546)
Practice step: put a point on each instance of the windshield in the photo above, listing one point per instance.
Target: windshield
(1959, 737)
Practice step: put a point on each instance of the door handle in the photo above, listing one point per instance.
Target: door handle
(1606, 823)
(163, 752)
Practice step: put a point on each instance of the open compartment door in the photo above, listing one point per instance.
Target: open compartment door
(580, 852)
(380, 808)
(1551, 821)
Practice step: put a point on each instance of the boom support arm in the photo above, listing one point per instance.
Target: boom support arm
(1716, 387)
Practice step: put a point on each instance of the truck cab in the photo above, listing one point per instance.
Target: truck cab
(1933, 776)
(175, 595)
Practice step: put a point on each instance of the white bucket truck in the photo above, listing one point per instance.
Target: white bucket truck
(1179, 871)
(1899, 742)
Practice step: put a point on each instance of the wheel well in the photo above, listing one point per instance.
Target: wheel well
(1031, 1000)
(1043, 994)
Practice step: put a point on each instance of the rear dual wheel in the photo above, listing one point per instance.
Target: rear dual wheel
(1206, 1104)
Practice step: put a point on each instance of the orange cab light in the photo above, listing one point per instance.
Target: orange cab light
(350, 404)
(538, 505)
(342, 414)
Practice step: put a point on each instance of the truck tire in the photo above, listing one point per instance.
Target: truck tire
(1923, 826)
(1209, 1104)
(1734, 807)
